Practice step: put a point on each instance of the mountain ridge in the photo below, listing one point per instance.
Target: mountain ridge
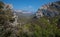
(49, 10)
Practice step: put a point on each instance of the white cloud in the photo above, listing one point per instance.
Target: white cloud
(26, 12)
(29, 8)
(18, 10)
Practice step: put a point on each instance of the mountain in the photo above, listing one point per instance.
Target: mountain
(49, 10)
(23, 13)
(20, 23)
(46, 21)
(23, 16)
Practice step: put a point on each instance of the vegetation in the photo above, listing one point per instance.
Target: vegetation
(42, 27)
(5, 17)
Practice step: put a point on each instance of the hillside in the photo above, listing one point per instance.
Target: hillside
(44, 23)
(49, 10)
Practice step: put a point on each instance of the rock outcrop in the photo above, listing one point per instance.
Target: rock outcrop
(49, 10)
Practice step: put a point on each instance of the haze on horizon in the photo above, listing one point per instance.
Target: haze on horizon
(28, 5)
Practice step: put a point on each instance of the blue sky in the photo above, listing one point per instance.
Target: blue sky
(29, 5)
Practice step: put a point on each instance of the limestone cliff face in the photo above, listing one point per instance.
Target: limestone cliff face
(15, 17)
(49, 10)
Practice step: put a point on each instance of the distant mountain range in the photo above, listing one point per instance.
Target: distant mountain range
(23, 16)
(48, 10)
(22, 13)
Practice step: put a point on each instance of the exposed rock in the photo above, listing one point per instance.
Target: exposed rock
(49, 10)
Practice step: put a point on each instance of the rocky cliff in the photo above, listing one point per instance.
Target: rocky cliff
(49, 10)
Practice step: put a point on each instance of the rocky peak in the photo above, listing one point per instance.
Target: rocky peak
(49, 10)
